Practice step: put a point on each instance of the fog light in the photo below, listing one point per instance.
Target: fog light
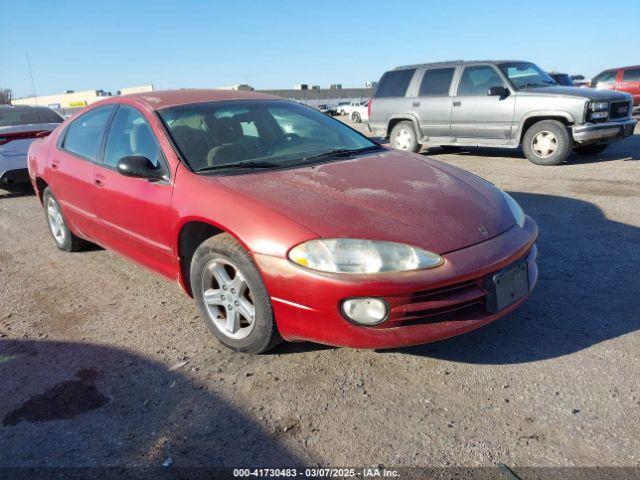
(365, 311)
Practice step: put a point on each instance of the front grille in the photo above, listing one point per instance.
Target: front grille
(619, 109)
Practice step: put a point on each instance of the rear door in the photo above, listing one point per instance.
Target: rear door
(134, 213)
(476, 115)
(72, 164)
(630, 83)
(432, 106)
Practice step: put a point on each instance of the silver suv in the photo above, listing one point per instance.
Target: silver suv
(496, 104)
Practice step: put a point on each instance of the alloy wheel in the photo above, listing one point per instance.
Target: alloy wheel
(402, 139)
(227, 298)
(56, 222)
(544, 144)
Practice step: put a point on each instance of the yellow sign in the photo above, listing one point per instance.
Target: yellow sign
(78, 103)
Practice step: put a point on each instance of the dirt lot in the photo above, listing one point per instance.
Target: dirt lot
(92, 354)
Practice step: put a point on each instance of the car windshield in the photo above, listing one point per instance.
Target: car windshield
(524, 75)
(562, 79)
(258, 134)
(12, 116)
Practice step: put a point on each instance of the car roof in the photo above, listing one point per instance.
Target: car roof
(169, 98)
(454, 63)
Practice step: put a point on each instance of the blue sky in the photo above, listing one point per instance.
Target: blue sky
(268, 44)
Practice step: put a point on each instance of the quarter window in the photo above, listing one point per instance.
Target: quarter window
(436, 83)
(394, 83)
(84, 134)
(477, 80)
(631, 75)
(130, 134)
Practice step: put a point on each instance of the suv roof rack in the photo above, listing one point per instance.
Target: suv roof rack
(456, 62)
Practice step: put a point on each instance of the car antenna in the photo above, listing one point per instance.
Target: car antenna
(33, 87)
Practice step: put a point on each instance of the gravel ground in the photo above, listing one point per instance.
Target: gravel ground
(93, 352)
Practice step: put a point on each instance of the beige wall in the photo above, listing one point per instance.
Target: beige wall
(65, 100)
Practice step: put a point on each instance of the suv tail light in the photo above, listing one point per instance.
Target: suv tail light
(369, 108)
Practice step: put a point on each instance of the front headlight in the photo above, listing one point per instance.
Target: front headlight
(599, 106)
(516, 209)
(598, 111)
(349, 255)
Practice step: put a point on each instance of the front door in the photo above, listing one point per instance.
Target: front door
(476, 115)
(134, 213)
(72, 165)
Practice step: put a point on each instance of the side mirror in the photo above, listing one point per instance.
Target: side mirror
(138, 166)
(502, 92)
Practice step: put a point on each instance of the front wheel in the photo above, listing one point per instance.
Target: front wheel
(403, 137)
(593, 149)
(232, 297)
(547, 143)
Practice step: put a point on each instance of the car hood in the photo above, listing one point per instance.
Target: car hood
(392, 196)
(590, 93)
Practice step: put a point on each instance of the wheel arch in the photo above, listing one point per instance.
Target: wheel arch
(41, 184)
(562, 117)
(393, 121)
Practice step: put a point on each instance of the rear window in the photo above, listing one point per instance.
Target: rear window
(27, 115)
(436, 83)
(631, 75)
(394, 83)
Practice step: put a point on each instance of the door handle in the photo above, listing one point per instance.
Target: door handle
(54, 165)
(416, 104)
(99, 180)
(457, 104)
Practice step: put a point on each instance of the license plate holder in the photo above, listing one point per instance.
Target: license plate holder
(507, 286)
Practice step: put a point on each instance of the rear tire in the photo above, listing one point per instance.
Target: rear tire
(594, 149)
(355, 117)
(547, 143)
(64, 238)
(236, 307)
(403, 137)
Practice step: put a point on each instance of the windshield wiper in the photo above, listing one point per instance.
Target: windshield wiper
(243, 165)
(341, 152)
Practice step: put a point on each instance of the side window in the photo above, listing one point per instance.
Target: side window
(608, 76)
(130, 134)
(84, 134)
(394, 83)
(436, 82)
(631, 75)
(477, 80)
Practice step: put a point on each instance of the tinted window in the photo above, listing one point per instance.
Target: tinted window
(394, 83)
(436, 83)
(10, 116)
(606, 77)
(85, 132)
(130, 134)
(278, 132)
(477, 80)
(562, 79)
(631, 75)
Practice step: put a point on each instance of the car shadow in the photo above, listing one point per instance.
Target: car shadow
(627, 149)
(67, 404)
(17, 191)
(587, 291)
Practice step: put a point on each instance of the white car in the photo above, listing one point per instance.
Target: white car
(346, 108)
(360, 113)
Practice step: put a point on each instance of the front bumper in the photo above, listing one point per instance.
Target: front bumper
(603, 132)
(10, 177)
(426, 305)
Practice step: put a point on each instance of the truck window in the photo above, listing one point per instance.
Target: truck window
(477, 80)
(631, 75)
(394, 83)
(436, 82)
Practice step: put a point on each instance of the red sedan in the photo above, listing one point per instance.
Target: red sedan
(282, 222)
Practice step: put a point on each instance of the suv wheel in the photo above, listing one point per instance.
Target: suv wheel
(547, 143)
(355, 117)
(232, 297)
(594, 149)
(403, 137)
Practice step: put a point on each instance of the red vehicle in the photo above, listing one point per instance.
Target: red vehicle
(282, 222)
(626, 79)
